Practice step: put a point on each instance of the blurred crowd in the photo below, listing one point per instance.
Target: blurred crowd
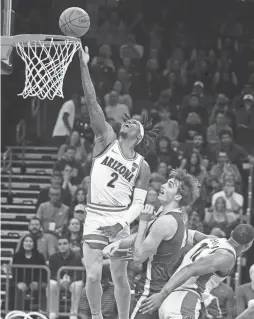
(188, 66)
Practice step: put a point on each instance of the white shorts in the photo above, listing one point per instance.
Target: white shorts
(94, 237)
(181, 304)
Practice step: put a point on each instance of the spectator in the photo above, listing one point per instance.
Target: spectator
(131, 49)
(164, 153)
(65, 121)
(115, 110)
(108, 303)
(113, 30)
(222, 166)
(78, 198)
(27, 279)
(245, 294)
(213, 131)
(163, 169)
(68, 159)
(236, 153)
(245, 114)
(53, 214)
(234, 201)
(74, 233)
(85, 184)
(80, 213)
(222, 105)
(198, 146)
(219, 304)
(70, 179)
(152, 198)
(194, 106)
(192, 127)
(195, 222)
(69, 280)
(167, 127)
(123, 97)
(194, 167)
(153, 79)
(103, 71)
(218, 217)
(78, 145)
(55, 182)
(46, 243)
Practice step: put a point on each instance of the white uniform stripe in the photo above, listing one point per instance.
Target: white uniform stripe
(96, 241)
(146, 287)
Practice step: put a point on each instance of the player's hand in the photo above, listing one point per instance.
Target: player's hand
(84, 55)
(151, 304)
(109, 250)
(111, 231)
(147, 213)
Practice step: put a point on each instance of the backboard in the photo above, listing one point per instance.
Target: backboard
(7, 28)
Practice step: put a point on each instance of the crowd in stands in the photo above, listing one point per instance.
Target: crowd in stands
(197, 86)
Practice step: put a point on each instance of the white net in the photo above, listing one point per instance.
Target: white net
(46, 64)
(20, 314)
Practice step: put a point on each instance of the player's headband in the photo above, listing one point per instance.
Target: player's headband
(142, 131)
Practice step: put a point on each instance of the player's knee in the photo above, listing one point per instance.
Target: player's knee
(120, 279)
(94, 275)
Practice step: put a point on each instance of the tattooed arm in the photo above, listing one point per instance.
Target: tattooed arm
(102, 130)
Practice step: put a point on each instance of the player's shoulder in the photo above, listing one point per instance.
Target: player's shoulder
(165, 224)
(145, 168)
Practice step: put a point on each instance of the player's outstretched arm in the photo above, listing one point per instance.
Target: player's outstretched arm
(97, 118)
(163, 228)
(221, 261)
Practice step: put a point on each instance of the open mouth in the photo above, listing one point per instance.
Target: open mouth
(162, 191)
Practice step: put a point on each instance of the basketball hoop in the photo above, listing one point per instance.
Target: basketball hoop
(46, 58)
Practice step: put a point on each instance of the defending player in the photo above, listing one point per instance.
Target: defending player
(118, 188)
(203, 268)
(159, 245)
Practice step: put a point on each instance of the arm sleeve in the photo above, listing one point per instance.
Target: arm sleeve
(135, 209)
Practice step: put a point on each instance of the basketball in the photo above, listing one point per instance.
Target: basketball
(74, 22)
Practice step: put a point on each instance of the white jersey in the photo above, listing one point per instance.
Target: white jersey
(113, 178)
(205, 283)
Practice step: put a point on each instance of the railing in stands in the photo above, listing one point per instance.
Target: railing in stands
(78, 276)
(21, 140)
(7, 168)
(22, 295)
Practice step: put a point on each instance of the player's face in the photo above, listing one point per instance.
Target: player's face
(169, 191)
(130, 129)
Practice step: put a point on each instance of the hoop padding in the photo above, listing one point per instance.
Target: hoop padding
(46, 63)
(16, 313)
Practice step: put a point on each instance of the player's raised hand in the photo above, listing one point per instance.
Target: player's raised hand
(147, 213)
(110, 250)
(84, 55)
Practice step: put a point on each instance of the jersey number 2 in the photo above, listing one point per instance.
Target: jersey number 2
(111, 183)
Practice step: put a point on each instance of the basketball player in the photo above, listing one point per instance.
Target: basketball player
(203, 268)
(118, 188)
(160, 244)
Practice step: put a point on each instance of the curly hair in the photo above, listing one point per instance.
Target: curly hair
(189, 187)
(147, 145)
